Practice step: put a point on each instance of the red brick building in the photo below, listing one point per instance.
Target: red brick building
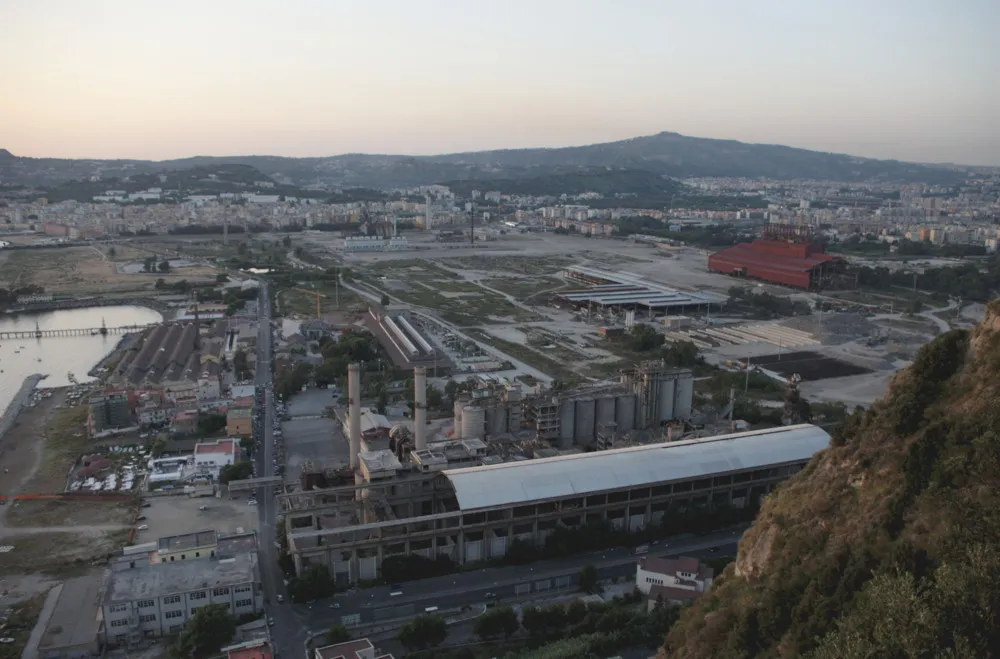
(789, 263)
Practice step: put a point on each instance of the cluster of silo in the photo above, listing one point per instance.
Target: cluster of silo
(473, 422)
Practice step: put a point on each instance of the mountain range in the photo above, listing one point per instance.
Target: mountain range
(665, 154)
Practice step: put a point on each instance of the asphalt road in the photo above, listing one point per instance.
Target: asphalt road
(288, 633)
(507, 583)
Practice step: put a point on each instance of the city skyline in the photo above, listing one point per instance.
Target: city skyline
(901, 80)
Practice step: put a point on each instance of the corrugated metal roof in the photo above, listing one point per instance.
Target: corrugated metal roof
(586, 473)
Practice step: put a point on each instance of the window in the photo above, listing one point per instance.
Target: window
(241, 589)
(242, 603)
(148, 618)
(197, 554)
(118, 608)
(173, 614)
(146, 604)
(193, 609)
(220, 592)
(119, 623)
(171, 599)
(175, 628)
(183, 556)
(121, 639)
(197, 595)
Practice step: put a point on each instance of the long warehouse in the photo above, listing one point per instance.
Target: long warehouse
(472, 514)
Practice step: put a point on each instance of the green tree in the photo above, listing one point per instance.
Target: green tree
(424, 631)
(241, 366)
(235, 472)
(164, 266)
(385, 301)
(287, 241)
(205, 633)
(337, 634)
(314, 583)
(111, 252)
(156, 447)
(588, 579)
(496, 623)
(644, 338)
(534, 620)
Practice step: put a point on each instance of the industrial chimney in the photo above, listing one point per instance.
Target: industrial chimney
(354, 411)
(419, 407)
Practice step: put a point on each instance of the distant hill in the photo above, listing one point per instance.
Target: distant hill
(668, 154)
(888, 543)
(624, 182)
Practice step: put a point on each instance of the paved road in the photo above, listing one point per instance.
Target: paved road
(470, 588)
(288, 632)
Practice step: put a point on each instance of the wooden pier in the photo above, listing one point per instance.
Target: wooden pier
(83, 331)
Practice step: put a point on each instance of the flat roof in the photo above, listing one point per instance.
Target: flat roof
(515, 483)
(74, 617)
(238, 412)
(208, 538)
(628, 288)
(146, 581)
(218, 446)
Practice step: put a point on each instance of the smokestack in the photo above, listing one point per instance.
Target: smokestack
(354, 411)
(419, 407)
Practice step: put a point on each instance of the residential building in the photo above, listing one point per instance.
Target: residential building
(109, 412)
(238, 422)
(672, 580)
(315, 329)
(256, 649)
(361, 648)
(154, 594)
(210, 457)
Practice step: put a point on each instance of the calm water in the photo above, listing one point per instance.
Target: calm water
(19, 358)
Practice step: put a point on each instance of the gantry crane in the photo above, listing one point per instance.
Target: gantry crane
(315, 295)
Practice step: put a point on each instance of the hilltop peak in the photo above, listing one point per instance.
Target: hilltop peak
(6, 155)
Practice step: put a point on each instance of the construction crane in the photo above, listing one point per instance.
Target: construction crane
(315, 295)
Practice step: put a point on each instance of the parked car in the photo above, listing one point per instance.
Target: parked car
(142, 527)
(202, 507)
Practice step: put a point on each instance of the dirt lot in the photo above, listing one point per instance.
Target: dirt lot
(39, 450)
(78, 269)
(69, 513)
(809, 365)
(58, 554)
(174, 515)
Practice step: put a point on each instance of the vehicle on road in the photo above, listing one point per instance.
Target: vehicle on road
(146, 505)
(270, 622)
(202, 507)
(251, 502)
(142, 527)
(281, 598)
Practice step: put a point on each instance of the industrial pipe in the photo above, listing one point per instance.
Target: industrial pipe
(419, 407)
(354, 411)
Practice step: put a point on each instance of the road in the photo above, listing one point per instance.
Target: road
(508, 583)
(288, 633)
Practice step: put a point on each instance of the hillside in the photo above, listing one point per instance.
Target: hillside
(888, 543)
(625, 183)
(668, 154)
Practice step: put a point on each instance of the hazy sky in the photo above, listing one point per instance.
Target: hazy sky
(907, 79)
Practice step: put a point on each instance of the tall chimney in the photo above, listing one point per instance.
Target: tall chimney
(419, 407)
(354, 411)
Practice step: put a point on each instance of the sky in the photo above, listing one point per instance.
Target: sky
(907, 79)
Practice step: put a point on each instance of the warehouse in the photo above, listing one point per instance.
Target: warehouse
(798, 264)
(622, 290)
(473, 514)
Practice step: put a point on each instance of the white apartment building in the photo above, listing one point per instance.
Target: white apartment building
(210, 457)
(143, 599)
(672, 580)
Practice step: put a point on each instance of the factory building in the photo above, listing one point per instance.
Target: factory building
(398, 334)
(430, 506)
(622, 290)
(789, 263)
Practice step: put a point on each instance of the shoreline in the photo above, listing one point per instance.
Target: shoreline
(18, 402)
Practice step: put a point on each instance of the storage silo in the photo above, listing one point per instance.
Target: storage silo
(497, 420)
(458, 407)
(665, 386)
(683, 393)
(625, 412)
(567, 418)
(606, 409)
(584, 430)
(473, 422)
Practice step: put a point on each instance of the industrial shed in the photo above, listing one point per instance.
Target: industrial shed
(519, 483)
(798, 264)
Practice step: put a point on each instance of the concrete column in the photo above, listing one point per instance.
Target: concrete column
(354, 411)
(420, 407)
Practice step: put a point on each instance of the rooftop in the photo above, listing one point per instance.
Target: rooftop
(672, 566)
(188, 541)
(628, 288)
(238, 412)
(145, 581)
(74, 617)
(514, 483)
(225, 446)
(350, 650)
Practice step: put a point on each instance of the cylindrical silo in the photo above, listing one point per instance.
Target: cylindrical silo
(496, 418)
(625, 412)
(473, 422)
(683, 393)
(606, 409)
(665, 400)
(584, 431)
(567, 419)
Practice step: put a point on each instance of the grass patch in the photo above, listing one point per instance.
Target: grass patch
(67, 513)
(530, 357)
(524, 265)
(299, 302)
(65, 440)
(20, 621)
(59, 554)
(524, 289)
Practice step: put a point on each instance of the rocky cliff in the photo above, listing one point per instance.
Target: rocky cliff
(886, 545)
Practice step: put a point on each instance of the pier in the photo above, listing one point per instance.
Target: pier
(83, 331)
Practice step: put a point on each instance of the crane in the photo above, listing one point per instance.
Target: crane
(315, 295)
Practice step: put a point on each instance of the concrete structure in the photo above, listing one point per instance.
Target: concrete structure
(354, 412)
(73, 627)
(238, 422)
(623, 290)
(420, 407)
(361, 648)
(109, 412)
(144, 599)
(471, 514)
(210, 457)
(258, 648)
(790, 263)
(673, 581)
